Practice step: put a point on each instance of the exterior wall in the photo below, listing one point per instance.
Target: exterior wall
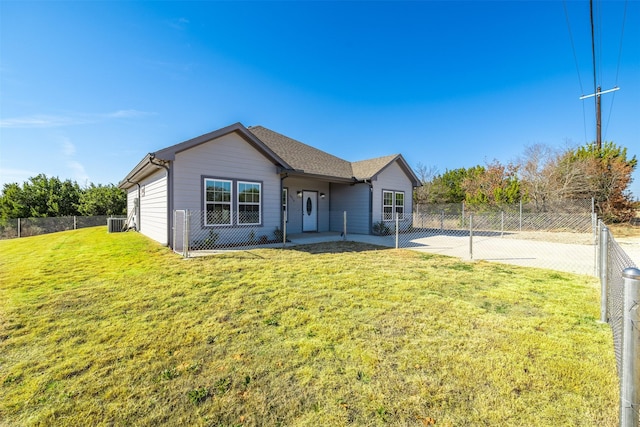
(132, 213)
(229, 157)
(152, 221)
(355, 200)
(392, 178)
(294, 203)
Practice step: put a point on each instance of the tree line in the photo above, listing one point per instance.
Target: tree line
(542, 176)
(43, 196)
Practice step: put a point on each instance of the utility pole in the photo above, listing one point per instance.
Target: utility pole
(597, 88)
(598, 112)
(598, 121)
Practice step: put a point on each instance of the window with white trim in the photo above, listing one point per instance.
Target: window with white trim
(392, 205)
(217, 202)
(387, 205)
(249, 194)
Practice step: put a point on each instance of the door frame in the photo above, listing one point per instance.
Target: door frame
(313, 226)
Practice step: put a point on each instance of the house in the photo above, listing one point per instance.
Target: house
(254, 178)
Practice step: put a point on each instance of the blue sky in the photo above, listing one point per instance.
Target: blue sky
(87, 88)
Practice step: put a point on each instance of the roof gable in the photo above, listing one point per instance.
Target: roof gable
(170, 152)
(368, 169)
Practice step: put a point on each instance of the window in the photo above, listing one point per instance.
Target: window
(217, 202)
(392, 203)
(249, 203)
(387, 205)
(284, 203)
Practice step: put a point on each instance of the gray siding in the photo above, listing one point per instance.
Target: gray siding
(392, 178)
(354, 199)
(229, 157)
(154, 207)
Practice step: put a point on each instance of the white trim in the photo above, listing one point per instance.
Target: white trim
(252, 203)
(207, 202)
(391, 216)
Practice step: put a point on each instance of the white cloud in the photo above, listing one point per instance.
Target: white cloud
(68, 149)
(178, 24)
(127, 114)
(49, 121)
(41, 121)
(8, 175)
(78, 172)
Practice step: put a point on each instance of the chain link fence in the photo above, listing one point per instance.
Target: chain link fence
(26, 227)
(201, 232)
(518, 235)
(620, 300)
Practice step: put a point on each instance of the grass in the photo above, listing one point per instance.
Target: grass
(111, 329)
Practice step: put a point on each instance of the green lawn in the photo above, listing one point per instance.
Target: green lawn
(111, 329)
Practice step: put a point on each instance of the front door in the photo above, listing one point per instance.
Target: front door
(309, 211)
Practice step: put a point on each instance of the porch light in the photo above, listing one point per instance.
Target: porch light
(299, 194)
(322, 195)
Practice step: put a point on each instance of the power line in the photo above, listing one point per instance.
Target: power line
(573, 46)
(593, 47)
(613, 98)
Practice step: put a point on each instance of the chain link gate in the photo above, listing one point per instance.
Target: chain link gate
(180, 232)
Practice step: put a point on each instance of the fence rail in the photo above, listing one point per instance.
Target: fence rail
(26, 227)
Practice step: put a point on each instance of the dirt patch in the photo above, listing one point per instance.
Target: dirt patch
(554, 237)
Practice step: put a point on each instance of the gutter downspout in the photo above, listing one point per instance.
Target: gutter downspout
(152, 157)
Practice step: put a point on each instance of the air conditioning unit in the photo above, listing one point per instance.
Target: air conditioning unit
(116, 225)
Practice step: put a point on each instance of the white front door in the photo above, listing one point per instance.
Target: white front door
(309, 211)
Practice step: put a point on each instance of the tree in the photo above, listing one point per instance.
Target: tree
(42, 196)
(602, 173)
(102, 200)
(426, 176)
(12, 203)
(535, 170)
(496, 185)
(447, 188)
(50, 197)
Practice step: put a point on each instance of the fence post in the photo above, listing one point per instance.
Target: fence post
(462, 214)
(630, 378)
(442, 220)
(604, 276)
(187, 214)
(284, 229)
(344, 226)
(397, 229)
(75, 223)
(471, 236)
(520, 228)
(595, 231)
(19, 226)
(502, 224)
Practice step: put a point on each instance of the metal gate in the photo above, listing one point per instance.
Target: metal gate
(180, 232)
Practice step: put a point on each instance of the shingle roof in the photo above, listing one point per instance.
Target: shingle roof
(313, 161)
(365, 169)
(303, 157)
